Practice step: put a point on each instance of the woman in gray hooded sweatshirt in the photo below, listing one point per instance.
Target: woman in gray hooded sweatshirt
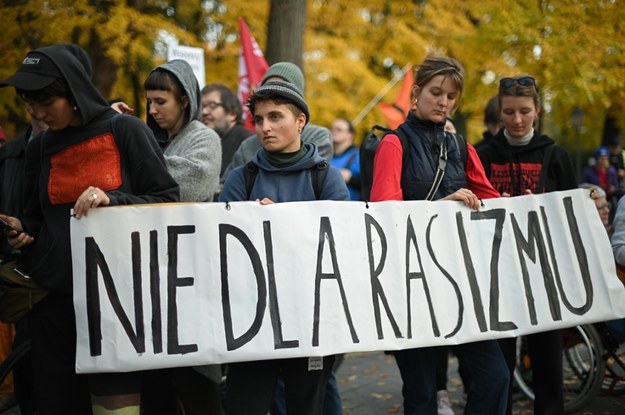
(192, 150)
(193, 156)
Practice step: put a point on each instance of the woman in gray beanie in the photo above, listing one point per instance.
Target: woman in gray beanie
(320, 136)
(283, 168)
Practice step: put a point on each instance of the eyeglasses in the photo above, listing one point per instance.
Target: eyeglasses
(506, 83)
(212, 105)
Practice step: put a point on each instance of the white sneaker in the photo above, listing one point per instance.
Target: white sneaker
(444, 406)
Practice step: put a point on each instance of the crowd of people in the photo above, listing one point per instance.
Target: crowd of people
(79, 154)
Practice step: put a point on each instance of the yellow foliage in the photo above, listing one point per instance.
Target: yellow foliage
(574, 48)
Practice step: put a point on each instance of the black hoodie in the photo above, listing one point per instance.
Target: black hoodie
(515, 169)
(124, 161)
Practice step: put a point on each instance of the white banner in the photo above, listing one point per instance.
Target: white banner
(190, 284)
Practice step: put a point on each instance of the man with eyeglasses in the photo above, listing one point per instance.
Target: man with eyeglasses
(221, 111)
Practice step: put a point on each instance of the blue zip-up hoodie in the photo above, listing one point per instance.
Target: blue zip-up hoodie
(284, 184)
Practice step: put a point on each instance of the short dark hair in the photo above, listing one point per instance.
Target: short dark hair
(163, 80)
(276, 98)
(280, 93)
(492, 114)
(229, 100)
(58, 88)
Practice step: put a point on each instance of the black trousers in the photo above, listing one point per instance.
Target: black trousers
(58, 389)
(545, 352)
(250, 386)
(23, 371)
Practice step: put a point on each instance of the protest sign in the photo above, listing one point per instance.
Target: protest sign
(190, 284)
(195, 58)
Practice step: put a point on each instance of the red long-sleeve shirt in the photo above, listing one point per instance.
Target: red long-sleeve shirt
(387, 169)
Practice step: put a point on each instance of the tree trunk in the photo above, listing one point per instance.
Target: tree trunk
(285, 32)
(105, 70)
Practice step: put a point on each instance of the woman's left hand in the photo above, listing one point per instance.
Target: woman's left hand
(265, 201)
(92, 197)
(467, 197)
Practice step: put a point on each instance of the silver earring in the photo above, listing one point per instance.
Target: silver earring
(75, 108)
(416, 100)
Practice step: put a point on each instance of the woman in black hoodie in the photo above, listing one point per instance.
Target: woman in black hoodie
(87, 158)
(520, 161)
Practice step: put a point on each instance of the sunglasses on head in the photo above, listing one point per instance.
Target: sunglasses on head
(523, 81)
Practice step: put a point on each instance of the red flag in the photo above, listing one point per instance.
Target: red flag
(396, 112)
(252, 68)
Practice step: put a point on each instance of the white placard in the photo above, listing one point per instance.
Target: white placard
(195, 57)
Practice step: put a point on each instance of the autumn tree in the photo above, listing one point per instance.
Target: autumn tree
(285, 31)
(120, 37)
(352, 48)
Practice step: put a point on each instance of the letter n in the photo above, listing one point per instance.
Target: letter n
(94, 260)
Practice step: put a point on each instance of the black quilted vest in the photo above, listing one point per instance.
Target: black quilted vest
(425, 138)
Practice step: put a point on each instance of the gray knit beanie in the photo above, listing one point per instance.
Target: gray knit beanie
(287, 71)
(281, 90)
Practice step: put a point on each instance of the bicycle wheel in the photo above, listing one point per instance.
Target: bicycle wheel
(614, 379)
(583, 368)
(523, 369)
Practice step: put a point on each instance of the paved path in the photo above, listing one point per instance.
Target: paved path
(370, 385)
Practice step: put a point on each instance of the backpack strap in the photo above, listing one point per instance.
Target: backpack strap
(403, 139)
(542, 179)
(250, 173)
(318, 175)
(440, 171)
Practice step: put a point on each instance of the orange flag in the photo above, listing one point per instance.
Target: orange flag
(396, 112)
(252, 68)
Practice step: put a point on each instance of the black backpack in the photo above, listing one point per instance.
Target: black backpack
(318, 174)
(370, 145)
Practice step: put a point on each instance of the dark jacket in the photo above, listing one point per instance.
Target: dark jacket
(515, 169)
(12, 161)
(486, 139)
(126, 163)
(230, 143)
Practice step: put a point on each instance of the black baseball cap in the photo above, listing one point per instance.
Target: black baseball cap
(36, 72)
